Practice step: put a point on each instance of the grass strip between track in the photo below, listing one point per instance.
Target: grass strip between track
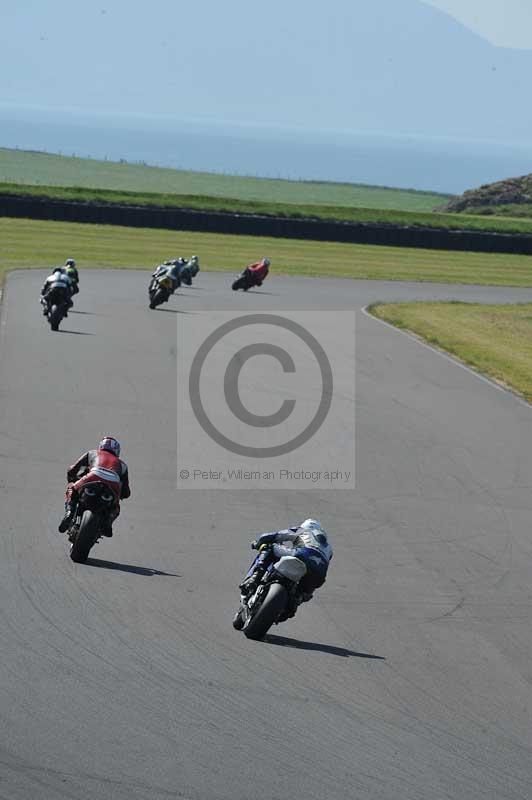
(26, 244)
(494, 339)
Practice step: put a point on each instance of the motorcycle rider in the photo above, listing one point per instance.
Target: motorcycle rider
(258, 271)
(180, 268)
(171, 268)
(309, 543)
(193, 265)
(104, 465)
(71, 272)
(56, 290)
(185, 273)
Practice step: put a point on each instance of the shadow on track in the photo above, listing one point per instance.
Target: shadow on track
(98, 562)
(270, 294)
(76, 333)
(173, 311)
(92, 313)
(282, 641)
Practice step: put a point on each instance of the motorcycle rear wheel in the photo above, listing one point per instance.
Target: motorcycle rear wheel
(271, 609)
(55, 317)
(86, 537)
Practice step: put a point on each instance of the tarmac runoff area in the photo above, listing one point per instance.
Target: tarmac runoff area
(406, 678)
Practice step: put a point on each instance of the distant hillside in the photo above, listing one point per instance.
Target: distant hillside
(510, 197)
(37, 169)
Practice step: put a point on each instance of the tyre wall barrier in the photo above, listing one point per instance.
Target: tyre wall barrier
(253, 225)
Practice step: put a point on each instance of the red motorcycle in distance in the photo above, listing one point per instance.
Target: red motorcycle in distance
(253, 275)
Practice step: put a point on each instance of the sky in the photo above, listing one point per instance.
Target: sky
(505, 23)
(398, 66)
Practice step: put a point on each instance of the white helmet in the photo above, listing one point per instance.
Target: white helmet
(314, 527)
(311, 534)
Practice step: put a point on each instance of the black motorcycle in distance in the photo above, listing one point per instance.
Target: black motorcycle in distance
(94, 506)
(56, 305)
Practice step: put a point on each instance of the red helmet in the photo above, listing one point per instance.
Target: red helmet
(111, 445)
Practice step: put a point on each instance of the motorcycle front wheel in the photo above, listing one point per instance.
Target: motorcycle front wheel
(240, 283)
(158, 297)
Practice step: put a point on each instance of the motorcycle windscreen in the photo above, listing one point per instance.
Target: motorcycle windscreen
(290, 567)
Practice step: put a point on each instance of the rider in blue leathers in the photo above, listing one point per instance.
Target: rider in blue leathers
(309, 543)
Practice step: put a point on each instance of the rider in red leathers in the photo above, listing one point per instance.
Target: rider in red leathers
(258, 271)
(102, 465)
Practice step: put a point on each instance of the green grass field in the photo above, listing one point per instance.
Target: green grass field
(494, 339)
(31, 168)
(35, 243)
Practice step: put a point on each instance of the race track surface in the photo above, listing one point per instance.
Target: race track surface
(407, 678)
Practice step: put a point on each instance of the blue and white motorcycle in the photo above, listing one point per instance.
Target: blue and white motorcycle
(275, 598)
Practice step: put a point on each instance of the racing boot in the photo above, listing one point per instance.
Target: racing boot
(249, 584)
(238, 621)
(70, 510)
(295, 601)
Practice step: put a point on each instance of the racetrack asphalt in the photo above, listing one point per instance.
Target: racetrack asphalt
(408, 677)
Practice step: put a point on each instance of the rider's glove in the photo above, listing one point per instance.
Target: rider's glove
(265, 538)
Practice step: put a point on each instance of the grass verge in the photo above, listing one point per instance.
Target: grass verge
(37, 243)
(494, 339)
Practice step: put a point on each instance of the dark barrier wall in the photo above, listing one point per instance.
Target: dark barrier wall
(216, 222)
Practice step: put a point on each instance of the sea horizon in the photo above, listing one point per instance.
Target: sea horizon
(404, 161)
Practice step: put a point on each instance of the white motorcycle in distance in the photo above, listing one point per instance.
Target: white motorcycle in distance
(165, 280)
